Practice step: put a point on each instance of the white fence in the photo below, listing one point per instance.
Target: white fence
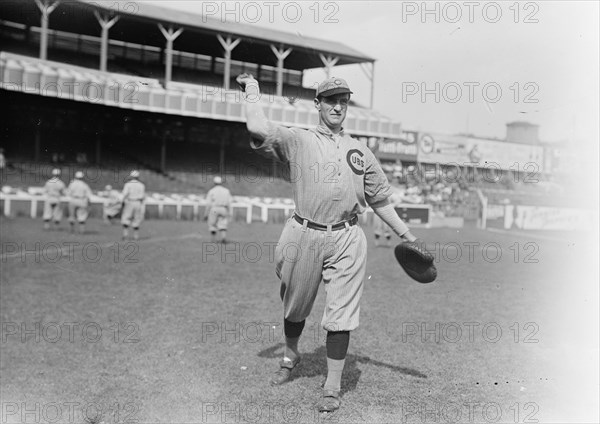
(248, 206)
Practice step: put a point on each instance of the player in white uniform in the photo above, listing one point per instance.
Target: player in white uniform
(335, 178)
(54, 189)
(134, 193)
(79, 199)
(113, 206)
(218, 210)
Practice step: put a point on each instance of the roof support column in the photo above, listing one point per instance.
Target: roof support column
(370, 73)
(280, 54)
(170, 35)
(46, 10)
(106, 24)
(163, 150)
(228, 45)
(329, 62)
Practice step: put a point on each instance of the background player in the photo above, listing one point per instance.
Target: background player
(332, 248)
(79, 199)
(134, 193)
(218, 209)
(54, 189)
(113, 206)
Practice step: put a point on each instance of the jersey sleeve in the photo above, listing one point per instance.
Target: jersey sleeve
(280, 143)
(377, 186)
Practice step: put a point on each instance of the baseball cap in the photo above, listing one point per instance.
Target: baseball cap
(217, 180)
(56, 171)
(79, 174)
(134, 174)
(331, 86)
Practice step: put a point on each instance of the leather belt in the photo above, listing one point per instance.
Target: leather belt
(320, 227)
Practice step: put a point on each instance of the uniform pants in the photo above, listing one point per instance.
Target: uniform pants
(305, 257)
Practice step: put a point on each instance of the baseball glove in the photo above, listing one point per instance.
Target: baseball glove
(416, 261)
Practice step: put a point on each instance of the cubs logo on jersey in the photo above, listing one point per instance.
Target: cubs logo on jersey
(356, 161)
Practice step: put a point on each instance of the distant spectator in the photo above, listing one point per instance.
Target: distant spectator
(2, 160)
(81, 158)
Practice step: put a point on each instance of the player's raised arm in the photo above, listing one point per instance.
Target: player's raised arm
(256, 120)
(267, 138)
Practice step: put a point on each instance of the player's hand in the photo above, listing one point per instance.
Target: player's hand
(244, 79)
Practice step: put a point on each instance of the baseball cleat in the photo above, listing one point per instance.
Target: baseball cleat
(284, 373)
(330, 401)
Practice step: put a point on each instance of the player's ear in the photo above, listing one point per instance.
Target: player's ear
(317, 103)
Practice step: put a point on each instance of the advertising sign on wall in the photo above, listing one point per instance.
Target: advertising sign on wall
(403, 148)
(481, 153)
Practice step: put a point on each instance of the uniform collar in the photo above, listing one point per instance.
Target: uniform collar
(326, 131)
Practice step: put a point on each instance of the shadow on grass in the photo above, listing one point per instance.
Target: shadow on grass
(314, 364)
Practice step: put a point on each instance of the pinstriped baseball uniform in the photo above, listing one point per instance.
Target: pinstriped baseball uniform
(134, 193)
(219, 199)
(334, 178)
(54, 188)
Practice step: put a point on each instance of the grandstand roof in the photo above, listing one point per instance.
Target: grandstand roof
(138, 24)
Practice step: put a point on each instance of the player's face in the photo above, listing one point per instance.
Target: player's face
(332, 110)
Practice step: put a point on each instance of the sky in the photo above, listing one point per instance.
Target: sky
(463, 67)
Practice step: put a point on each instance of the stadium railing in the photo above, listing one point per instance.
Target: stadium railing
(60, 80)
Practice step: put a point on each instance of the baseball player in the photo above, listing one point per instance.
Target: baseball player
(54, 189)
(113, 206)
(79, 199)
(218, 209)
(134, 193)
(335, 178)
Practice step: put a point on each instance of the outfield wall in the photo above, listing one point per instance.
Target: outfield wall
(247, 210)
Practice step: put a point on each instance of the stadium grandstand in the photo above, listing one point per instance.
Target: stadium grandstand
(149, 87)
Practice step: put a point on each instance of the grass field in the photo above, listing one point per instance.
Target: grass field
(172, 329)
